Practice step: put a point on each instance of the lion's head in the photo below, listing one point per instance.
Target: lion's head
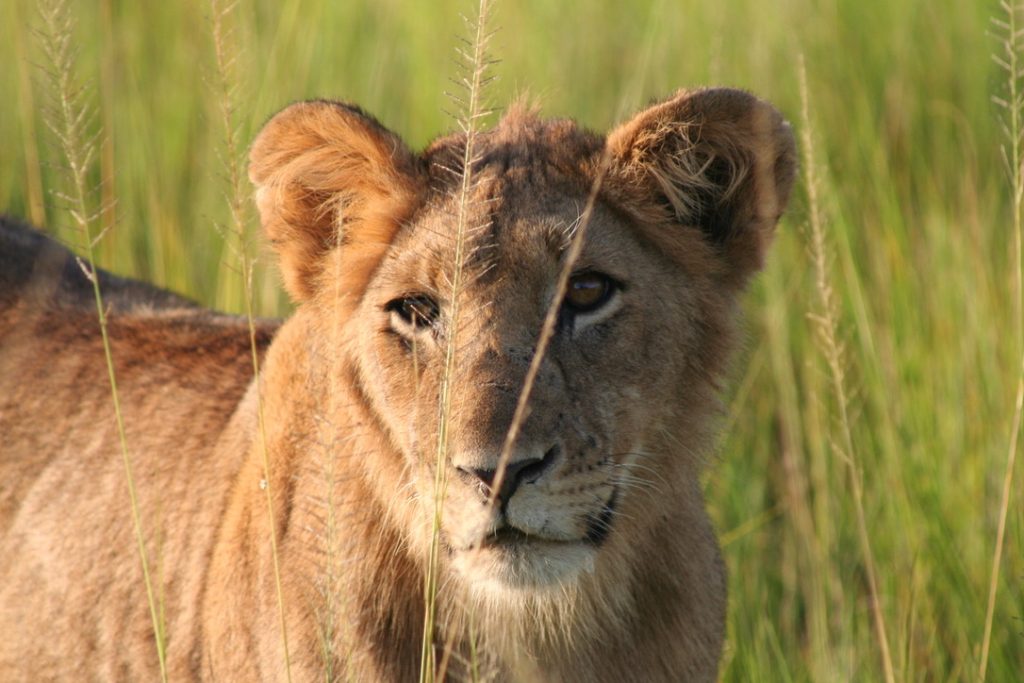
(618, 422)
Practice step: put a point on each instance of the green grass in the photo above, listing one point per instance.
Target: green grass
(916, 208)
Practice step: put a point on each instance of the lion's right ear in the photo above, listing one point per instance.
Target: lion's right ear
(327, 174)
(719, 161)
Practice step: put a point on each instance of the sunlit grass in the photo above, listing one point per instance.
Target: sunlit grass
(469, 98)
(68, 117)
(236, 236)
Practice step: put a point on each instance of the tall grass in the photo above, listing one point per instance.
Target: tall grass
(70, 122)
(469, 98)
(826, 317)
(922, 236)
(236, 235)
(1009, 59)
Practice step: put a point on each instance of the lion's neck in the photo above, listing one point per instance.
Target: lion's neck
(352, 574)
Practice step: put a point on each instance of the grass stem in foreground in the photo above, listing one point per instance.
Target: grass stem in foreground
(476, 63)
(79, 150)
(237, 202)
(1014, 104)
(827, 320)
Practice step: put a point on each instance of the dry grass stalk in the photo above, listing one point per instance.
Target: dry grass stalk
(827, 321)
(69, 121)
(237, 202)
(475, 62)
(547, 330)
(1009, 61)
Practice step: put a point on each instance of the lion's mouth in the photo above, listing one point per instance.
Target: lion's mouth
(599, 526)
(510, 540)
(508, 556)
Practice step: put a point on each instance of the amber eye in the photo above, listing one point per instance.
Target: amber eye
(588, 291)
(419, 311)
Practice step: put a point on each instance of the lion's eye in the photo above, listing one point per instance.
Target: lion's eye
(588, 291)
(419, 311)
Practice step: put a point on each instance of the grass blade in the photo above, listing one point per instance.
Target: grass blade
(1013, 104)
(237, 201)
(827, 319)
(476, 63)
(69, 125)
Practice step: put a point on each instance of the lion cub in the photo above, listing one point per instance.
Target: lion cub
(596, 562)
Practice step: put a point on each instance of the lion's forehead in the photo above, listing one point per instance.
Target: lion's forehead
(514, 236)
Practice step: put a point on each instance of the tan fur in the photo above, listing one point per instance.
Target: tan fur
(616, 574)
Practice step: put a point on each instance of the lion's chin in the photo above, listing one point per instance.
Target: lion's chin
(523, 563)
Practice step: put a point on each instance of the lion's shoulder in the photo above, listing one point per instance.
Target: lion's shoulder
(43, 281)
(48, 318)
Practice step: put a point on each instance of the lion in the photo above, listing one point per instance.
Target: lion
(291, 521)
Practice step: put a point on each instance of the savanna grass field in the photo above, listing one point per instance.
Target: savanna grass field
(870, 523)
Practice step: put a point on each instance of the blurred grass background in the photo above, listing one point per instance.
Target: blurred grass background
(918, 217)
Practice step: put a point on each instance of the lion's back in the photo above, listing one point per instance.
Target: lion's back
(33, 265)
(65, 511)
(175, 362)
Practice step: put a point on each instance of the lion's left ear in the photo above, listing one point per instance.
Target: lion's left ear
(719, 159)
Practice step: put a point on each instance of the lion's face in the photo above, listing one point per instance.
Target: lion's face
(601, 391)
(618, 414)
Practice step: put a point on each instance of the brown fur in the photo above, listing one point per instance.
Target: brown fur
(618, 576)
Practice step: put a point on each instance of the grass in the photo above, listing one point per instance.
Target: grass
(68, 120)
(827, 319)
(469, 98)
(235, 236)
(923, 264)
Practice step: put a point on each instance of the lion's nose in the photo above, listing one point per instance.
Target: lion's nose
(527, 469)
